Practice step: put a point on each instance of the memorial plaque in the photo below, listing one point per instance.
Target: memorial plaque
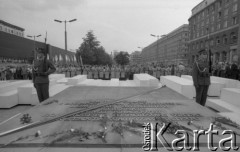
(110, 117)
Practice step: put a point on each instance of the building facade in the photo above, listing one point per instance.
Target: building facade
(214, 25)
(11, 29)
(135, 57)
(169, 49)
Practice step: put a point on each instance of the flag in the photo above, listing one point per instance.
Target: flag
(46, 38)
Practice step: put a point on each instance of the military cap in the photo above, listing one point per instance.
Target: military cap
(40, 50)
(203, 51)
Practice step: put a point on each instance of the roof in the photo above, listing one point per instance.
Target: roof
(11, 25)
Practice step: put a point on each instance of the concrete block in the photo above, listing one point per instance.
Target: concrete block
(238, 85)
(114, 82)
(53, 90)
(25, 94)
(222, 106)
(77, 79)
(180, 85)
(145, 80)
(127, 83)
(231, 96)
(85, 82)
(229, 83)
(53, 78)
(232, 116)
(63, 80)
(13, 85)
(8, 99)
(214, 88)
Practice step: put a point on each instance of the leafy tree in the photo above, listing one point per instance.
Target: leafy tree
(91, 51)
(122, 58)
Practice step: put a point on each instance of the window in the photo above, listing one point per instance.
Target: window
(218, 40)
(226, 12)
(207, 30)
(207, 21)
(219, 15)
(225, 39)
(212, 29)
(218, 26)
(225, 24)
(233, 37)
(235, 7)
(234, 20)
(212, 9)
(211, 42)
(213, 18)
(220, 4)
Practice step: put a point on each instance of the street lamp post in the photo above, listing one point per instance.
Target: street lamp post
(65, 23)
(34, 43)
(157, 46)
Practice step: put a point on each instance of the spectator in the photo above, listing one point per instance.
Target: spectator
(234, 71)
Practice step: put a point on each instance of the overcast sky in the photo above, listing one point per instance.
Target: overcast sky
(122, 25)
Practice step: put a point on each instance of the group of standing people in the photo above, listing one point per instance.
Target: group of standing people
(227, 70)
(15, 72)
(123, 72)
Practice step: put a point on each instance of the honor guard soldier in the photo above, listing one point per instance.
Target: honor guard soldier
(41, 69)
(201, 77)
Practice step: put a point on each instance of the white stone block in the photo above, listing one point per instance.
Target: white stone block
(238, 85)
(25, 94)
(55, 89)
(8, 99)
(229, 83)
(222, 106)
(180, 85)
(145, 80)
(13, 85)
(214, 88)
(56, 76)
(77, 79)
(231, 96)
(85, 82)
(63, 80)
(114, 82)
(232, 116)
(127, 83)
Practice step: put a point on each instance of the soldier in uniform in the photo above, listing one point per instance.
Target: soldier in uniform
(201, 77)
(41, 69)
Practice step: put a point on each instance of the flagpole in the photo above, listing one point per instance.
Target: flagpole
(209, 54)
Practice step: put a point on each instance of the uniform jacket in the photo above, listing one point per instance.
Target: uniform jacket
(41, 71)
(200, 73)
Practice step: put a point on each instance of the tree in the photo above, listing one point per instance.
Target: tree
(122, 58)
(91, 51)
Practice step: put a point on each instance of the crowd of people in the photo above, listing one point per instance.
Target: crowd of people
(13, 69)
(123, 72)
(226, 70)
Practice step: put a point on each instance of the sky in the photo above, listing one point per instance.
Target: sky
(122, 25)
